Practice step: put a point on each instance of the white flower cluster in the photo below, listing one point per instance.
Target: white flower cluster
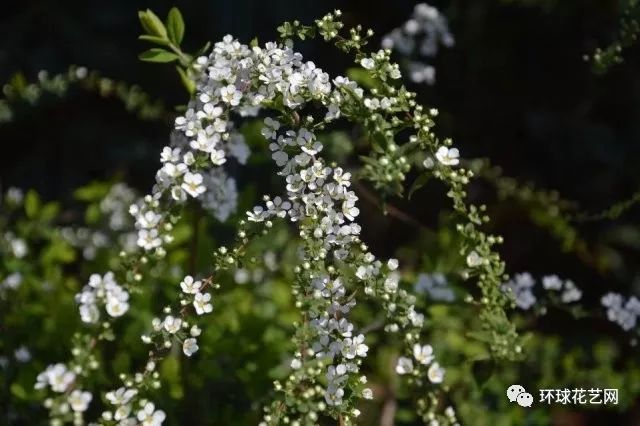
(126, 415)
(522, 288)
(435, 286)
(239, 80)
(423, 355)
(321, 193)
(118, 225)
(11, 282)
(623, 312)
(102, 290)
(13, 196)
(17, 246)
(57, 377)
(569, 291)
(62, 380)
(256, 274)
(221, 195)
(419, 37)
(172, 326)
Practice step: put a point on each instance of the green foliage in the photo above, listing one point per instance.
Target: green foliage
(604, 58)
(247, 343)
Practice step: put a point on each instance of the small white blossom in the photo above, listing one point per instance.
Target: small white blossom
(193, 184)
(201, 303)
(190, 346)
(171, 324)
(404, 366)
(79, 400)
(189, 285)
(448, 156)
(149, 416)
(435, 373)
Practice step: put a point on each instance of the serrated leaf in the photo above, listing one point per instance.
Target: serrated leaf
(157, 55)
(154, 39)
(175, 26)
(152, 24)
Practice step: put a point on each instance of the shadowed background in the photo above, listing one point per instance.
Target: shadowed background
(514, 89)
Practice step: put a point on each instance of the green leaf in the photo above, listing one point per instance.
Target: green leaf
(363, 77)
(175, 26)
(204, 49)
(31, 204)
(154, 39)
(186, 81)
(49, 212)
(152, 24)
(157, 55)
(482, 370)
(18, 391)
(93, 191)
(418, 183)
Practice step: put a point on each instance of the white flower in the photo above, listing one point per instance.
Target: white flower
(170, 155)
(116, 307)
(218, 157)
(230, 95)
(423, 354)
(474, 259)
(79, 400)
(392, 264)
(22, 354)
(417, 319)
(367, 63)
(192, 183)
(333, 395)
(404, 365)
(435, 373)
(367, 393)
(355, 346)
(551, 282)
(571, 293)
(121, 396)
(148, 416)
(296, 364)
(428, 163)
(19, 248)
(60, 378)
(13, 281)
(201, 303)
(190, 346)
(448, 156)
(189, 286)
(172, 324)
(391, 283)
(122, 412)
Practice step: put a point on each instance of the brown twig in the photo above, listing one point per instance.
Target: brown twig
(388, 208)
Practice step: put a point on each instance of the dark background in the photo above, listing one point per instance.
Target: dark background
(515, 88)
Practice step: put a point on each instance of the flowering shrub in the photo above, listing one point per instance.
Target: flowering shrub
(282, 290)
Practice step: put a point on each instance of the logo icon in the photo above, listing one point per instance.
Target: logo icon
(517, 393)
